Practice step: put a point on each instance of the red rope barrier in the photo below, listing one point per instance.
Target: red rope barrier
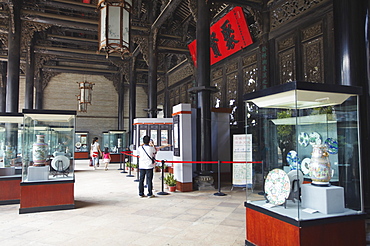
(195, 162)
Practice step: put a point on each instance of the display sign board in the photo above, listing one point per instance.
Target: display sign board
(227, 36)
(242, 151)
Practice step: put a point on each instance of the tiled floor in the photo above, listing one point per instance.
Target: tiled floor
(110, 212)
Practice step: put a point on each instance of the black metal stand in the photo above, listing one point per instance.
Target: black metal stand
(219, 193)
(129, 173)
(162, 192)
(124, 164)
(120, 162)
(137, 171)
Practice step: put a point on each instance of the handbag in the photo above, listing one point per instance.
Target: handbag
(152, 158)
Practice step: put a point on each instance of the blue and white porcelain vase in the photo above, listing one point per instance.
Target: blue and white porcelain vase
(39, 151)
(320, 168)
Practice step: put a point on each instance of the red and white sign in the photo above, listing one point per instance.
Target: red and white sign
(227, 36)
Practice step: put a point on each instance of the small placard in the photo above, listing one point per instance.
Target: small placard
(310, 210)
(269, 205)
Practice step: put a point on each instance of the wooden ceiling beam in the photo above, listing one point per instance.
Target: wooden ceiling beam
(166, 12)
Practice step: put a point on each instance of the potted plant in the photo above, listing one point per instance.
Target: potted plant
(171, 182)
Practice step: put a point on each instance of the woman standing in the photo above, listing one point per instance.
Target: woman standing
(95, 152)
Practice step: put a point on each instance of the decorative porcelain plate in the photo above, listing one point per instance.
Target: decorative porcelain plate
(292, 159)
(305, 166)
(315, 138)
(60, 163)
(277, 186)
(78, 145)
(303, 139)
(332, 145)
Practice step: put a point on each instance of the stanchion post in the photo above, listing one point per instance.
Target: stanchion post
(124, 163)
(120, 161)
(219, 193)
(129, 171)
(137, 171)
(162, 181)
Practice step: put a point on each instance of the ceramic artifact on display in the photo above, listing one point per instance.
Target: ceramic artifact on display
(277, 186)
(320, 169)
(39, 151)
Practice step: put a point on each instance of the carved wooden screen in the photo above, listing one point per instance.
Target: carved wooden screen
(286, 60)
(313, 53)
(250, 75)
(217, 81)
(232, 93)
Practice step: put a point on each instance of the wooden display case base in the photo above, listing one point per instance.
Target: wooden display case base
(115, 158)
(10, 191)
(81, 155)
(46, 196)
(266, 228)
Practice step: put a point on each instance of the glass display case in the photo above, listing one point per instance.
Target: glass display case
(82, 141)
(117, 140)
(307, 137)
(305, 150)
(11, 129)
(49, 146)
(105, 141)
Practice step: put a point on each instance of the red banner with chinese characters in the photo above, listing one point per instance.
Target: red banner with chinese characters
(227, 36)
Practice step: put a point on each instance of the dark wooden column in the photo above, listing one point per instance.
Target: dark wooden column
(14, 52)
(132, 104)
(152, 76)
(351, 69)
(121, 105)
(203, 81)
(3, 71)
(38, 94)
(30, 77)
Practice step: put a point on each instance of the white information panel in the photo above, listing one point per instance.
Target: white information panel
(242, 151)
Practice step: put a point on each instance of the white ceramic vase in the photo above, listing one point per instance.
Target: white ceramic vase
(39, 151)
(320, 168)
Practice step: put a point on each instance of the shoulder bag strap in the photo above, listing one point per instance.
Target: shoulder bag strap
(147, 154)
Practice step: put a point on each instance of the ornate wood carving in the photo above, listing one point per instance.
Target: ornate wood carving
(116, 79)
(143, 42)
(160, 85)
(312, 31)
(250, 78)
(217, 97)
(180, 74)
(248, 60)
(313, 61)
(192, 4)
(40, 60)
(46, 77)
(286, 43)
(289, 10)
(232, 66)
(287, 66)
(28, 30)
(217, 72)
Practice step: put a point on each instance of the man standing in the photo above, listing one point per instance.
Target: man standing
(146, 166)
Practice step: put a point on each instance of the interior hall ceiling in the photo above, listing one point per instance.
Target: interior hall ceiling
(65, 33)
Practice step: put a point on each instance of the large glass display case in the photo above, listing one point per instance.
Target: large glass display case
(305, 150)
(307, 137)
(81, 141)
(11, 128)
(49, 146)
(117, 140)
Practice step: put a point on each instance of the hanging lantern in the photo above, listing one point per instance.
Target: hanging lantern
(114, 26)
(85, 95)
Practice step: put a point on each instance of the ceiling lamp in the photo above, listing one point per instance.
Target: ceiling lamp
(85, 95)
(114, 26)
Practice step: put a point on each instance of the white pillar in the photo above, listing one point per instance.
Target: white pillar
(183, 172)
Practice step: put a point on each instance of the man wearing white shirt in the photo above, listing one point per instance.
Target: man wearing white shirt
(146, 166)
